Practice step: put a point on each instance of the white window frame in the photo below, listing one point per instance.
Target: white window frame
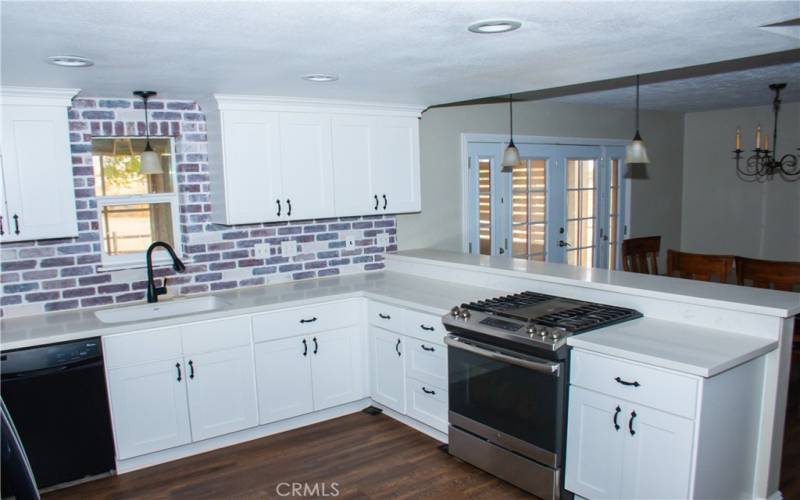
(501, 140)
(137, 260)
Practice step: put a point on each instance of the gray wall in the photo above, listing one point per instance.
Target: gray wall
(724, 214)
(655, 202)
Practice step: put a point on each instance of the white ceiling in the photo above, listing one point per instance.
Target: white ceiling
(726, 90)
(391, 51)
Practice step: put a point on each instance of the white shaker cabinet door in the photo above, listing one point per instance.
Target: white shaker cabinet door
(306, 165)
(595, 444)
(352, 137)
(395, 164)
(149, 407)
(658, 454)
(37, 174)
(222, 392)
(336, 367)
(283, 370)
(252, 167)
(387, 369)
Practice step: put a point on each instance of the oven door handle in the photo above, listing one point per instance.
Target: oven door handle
(547, 368)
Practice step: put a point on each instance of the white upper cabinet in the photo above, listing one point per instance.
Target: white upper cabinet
(248, 188)
(36, 168)
(277, 158)
(306, 167)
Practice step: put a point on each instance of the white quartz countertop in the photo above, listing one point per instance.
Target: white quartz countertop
(433, 296)
(689, 349)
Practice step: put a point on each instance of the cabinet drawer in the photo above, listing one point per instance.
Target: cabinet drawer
(216, 335)
(386, 316)
(128, 349)
(302, 320)
(649, 386)
(427, 403)
(426, 361)
(424, 326)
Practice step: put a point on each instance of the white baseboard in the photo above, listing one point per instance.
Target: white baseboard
(414, 424)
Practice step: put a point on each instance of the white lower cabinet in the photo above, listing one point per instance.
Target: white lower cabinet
(387, 368)
(222, 395)
(149, 407)
(283, 370)
(302, 374)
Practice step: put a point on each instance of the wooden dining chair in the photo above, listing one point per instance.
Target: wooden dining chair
(697, 266)
(640, 255)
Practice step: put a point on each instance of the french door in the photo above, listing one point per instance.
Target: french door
(561, 203)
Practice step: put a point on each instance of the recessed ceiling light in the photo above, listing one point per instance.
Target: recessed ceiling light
(492, 26)
(70, 61)
(318, 77)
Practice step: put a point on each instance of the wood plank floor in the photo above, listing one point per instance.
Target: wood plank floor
(367, 456)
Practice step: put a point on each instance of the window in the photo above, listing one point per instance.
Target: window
(135, 209)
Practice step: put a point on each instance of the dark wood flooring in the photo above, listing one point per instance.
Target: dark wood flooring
(366, 456)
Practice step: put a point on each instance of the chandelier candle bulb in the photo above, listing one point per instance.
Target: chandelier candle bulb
(766, 142)
(758, 137)
(738, 138)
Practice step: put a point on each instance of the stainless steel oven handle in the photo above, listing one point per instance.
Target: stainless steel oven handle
(548, 368)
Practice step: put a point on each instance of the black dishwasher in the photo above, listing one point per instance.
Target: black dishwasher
(56, 396)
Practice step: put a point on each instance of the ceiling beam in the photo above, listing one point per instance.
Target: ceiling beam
(700, 70)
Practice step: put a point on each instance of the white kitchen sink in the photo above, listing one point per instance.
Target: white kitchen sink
(176, 307)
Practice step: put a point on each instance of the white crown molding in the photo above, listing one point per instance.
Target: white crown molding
(37, 96)
(278, 103)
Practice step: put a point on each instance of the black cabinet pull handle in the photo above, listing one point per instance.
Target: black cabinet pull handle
(616, 414)
(16, 224)
(426, 348)
(191, 369)
(316, 346)
(385, 202)
(279, 207)
(426, 391)
(376, 202)
(178, 367)
(630, 423)
(313, 319)
(289, 202)
(384, 316)
(427, 328)
(625, 382)
(305, 348)
(397, 347)
(1, 226)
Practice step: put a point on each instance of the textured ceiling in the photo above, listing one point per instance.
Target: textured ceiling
(393, 51)
(727, 90)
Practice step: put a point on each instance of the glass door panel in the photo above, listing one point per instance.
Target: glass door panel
(529, 209)
(581, 218)
(485, 206)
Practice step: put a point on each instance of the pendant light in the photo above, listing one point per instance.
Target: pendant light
(636, 153)
(149, 159)
(511, 154)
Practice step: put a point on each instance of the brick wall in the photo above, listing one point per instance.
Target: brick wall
(52, 275)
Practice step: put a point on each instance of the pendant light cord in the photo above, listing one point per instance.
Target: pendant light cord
(637, 103)
(146, 120)
(511, 118)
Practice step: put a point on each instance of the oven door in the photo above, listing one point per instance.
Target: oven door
(508, 398)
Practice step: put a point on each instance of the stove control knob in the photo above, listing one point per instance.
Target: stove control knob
(555, 335)
(465, 314)
(531, 330)
(543, 332)
(455, 312)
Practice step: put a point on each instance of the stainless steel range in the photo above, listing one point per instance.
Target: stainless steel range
(508, 378)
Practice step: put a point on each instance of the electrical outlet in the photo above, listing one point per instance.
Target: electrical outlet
(383, 240)
(350, 240)
(289, 248)
(262, 250)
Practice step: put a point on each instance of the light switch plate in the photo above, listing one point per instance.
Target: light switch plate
(289, 248)
(383, 240)
(262, 250)
(350, 240)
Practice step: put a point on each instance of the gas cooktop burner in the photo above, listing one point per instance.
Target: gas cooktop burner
(535, 317)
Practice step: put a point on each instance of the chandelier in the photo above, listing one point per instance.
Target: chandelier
(764, 163)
